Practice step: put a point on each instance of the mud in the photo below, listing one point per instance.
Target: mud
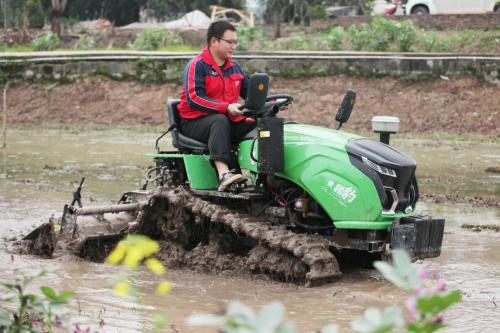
(40, 242)
(478, 201)
(206, 236)
(198, 234)
(481, 227)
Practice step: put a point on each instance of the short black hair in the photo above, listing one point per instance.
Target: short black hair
(217, 29)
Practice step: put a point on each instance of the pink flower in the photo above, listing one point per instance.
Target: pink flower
(422, 273)
(440, 286)
(411, 306)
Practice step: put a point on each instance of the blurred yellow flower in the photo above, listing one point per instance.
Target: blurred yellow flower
(134, 256)
(149, 247)
(163, 288)
(117, 255)
(122, 288)
(155, 266)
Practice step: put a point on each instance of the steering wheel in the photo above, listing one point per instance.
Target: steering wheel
(272, 106)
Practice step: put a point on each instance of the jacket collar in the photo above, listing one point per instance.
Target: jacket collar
(207, 57)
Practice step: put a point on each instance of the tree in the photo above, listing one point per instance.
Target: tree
(301, 12)
(26, 21)
(7, 14)
(57, 11)
(277, 9)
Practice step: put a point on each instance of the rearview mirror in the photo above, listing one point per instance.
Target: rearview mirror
(346, 107)
(258, 87)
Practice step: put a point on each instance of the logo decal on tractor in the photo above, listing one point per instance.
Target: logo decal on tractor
(265, 134)
(346, 193)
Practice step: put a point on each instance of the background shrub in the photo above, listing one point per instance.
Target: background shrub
(48, 42)
(149, 40)
(249, 37)
(86, 42)
(431, 42)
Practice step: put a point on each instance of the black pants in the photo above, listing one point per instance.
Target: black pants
(218, 132)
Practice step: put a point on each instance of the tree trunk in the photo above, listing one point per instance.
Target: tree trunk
(26, 23)
(7, 14)
(277, 21)
(58, 7)
(362, 6)
(56, 25)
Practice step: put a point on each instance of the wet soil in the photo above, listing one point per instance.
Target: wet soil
(481, 227)
(452, 106)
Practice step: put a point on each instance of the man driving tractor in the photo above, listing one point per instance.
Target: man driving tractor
(209, 109)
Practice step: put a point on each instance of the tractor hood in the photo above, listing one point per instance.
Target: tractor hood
(299, 134)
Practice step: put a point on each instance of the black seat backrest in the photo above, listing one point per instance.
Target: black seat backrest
(179, 140)
(174, 119)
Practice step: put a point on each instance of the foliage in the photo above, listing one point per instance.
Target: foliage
(407, 35)
(86, 42)
(37, 14)
(173, 39)
(333, 38)
(33, 313)
(317, 11)
(132, 252)
(149, 40)
(431, 42)
(250, 37)
(429, 299)
(382, 33)
(241, 319)
(47, 42)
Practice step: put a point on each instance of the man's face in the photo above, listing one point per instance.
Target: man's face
(225, 46)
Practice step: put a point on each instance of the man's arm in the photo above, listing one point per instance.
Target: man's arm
(194, 86)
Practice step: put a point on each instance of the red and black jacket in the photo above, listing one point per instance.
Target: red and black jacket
(208, 89)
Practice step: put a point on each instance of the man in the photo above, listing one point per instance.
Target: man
(209, 108)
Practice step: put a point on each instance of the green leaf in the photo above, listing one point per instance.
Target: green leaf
(391, 274)
(271, 316)
(240, 310)
(424, 327)
(204, 319)
(5, 319)
(159, 322)
(375, 321)
(330, 329)
(49, 293)
(66, 294)
(32, 298)
(438, 303)
(8, 285)
(287, 328)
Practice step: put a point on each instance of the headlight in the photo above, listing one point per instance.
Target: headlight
(380, 169)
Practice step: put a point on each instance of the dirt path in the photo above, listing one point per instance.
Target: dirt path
(458, 106)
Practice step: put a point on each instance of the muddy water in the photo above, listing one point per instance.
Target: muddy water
(41, 168)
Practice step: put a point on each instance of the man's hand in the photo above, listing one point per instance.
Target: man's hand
(234, 110)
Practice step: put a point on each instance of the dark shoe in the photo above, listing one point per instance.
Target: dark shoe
(228, 179)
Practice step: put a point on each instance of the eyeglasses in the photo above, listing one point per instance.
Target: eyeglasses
(233, 43)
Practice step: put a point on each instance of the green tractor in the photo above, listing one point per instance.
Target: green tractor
(314, 197)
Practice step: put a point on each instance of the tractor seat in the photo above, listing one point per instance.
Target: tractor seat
(179, 140)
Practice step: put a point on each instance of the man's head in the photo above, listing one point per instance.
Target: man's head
(221, 39)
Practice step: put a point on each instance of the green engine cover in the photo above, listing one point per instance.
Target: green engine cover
(317, 161)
